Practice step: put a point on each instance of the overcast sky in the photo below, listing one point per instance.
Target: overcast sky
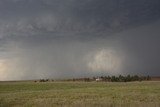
(78, 38)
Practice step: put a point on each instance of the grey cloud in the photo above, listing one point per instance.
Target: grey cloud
(77, 16)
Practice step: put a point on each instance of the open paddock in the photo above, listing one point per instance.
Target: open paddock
(80, 94)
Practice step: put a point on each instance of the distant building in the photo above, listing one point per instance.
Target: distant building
(98, 79)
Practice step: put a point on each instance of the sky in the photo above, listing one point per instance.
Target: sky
(78, 38)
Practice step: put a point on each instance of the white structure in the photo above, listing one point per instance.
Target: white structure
(98, 79)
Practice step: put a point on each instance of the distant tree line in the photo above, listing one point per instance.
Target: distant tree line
(120, 78)
(127, 78)
(44, 80)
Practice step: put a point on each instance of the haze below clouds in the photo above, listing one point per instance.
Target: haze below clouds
(76, 38)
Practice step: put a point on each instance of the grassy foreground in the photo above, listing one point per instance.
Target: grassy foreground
(79, 94)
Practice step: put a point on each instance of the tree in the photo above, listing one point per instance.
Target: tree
(148, 78)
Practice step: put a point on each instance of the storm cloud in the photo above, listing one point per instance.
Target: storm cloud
(77, 38)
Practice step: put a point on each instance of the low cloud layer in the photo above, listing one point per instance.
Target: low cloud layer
(72, 38)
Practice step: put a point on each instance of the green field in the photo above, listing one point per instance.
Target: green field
(80, 94)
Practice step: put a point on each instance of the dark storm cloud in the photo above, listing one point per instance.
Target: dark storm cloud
(73, 38)
(142, 46)
(76, 15)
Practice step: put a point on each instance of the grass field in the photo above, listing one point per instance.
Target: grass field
(80, 94)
